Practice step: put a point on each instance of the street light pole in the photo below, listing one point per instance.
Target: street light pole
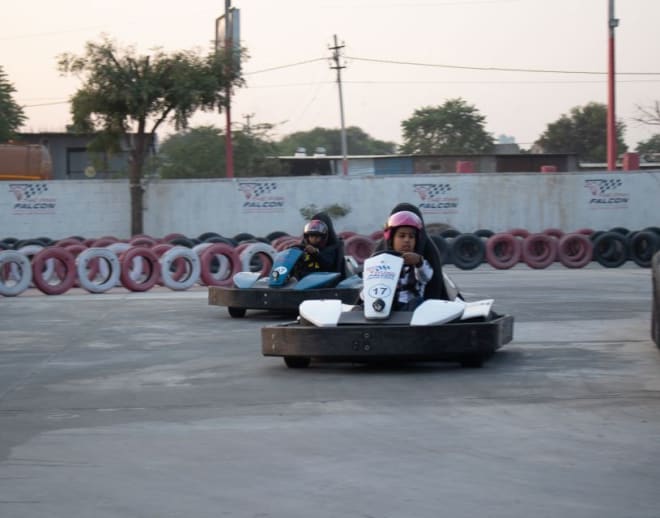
(612, 23)
(229, 48)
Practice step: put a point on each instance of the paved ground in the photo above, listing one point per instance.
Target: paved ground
(159, 405)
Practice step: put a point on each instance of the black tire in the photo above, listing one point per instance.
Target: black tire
(274, 235)
(220, 239)
(182, 241)
(610, 249)
(204, 236)
(243, 236)
(620, 230)
(642, 247)
(236, 312)
(450, 232)
(484, 232)
(297, 362)
(468, 251)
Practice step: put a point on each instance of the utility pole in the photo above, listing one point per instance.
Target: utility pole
(612, 23)
(247, 123)
(336, 56)
(229, 48)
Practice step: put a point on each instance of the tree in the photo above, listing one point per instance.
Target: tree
(357, 142)
(583, 132)
(650, 115)
(11, 114)
(452, 128)
(650, 149)
(200, 153)
(123, 91)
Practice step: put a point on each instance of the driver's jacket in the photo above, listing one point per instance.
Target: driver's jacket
(412, 281)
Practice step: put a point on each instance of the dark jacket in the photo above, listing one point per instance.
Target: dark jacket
(330, 257)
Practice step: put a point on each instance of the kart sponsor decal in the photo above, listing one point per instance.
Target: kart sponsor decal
(436, 198)
(606, 193)
(379, 271)
(32, 198)
(261, 197)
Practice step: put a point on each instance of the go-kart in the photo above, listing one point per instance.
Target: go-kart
(437, 330)
(284, 288)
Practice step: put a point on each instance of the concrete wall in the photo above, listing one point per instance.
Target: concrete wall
(535, 201)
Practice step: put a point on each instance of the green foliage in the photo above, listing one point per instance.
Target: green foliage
(357, 142)
(200, 153)
(11, 114)
(452, 128)
(125, 92)
(650, 146)
(334, 211)
(583, 132)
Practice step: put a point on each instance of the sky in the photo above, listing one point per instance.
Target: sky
(399, 56)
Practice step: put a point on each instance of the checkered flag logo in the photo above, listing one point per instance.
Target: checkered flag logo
(26, 191)
(431, 190)
(256, 189)
(601, 186)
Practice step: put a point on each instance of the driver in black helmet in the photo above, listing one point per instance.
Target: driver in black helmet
(323, 250)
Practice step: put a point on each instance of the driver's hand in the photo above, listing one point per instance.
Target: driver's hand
(311, 249)
(412, 259)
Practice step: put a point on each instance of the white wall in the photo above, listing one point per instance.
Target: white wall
(535, 201)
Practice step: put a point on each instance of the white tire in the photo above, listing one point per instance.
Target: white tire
(256, 248)
(15, 273)
(192, 271)
(109, 268)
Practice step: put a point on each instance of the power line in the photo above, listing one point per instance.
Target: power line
(496, 69)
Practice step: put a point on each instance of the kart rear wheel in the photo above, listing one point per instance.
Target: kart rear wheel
(236, 312)
(297, 362)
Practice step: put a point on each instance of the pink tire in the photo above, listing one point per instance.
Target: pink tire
(64, 271)
(539, 250)
(575, 250)
(553, 232)
(503, 251)
(206, 265)
(519, 232)
(360, 247)
(150, 274)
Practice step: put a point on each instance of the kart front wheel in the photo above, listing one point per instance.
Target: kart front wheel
(236, 312)
(297, 362)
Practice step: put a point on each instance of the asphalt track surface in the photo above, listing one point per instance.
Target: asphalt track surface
(158, 405)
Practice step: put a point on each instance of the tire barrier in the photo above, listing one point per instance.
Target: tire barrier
(655, 307)
(63, 271)
(610, 249)
(107, 275)
(642, 246)
(359, 246)
(127, 264)
(553, 232)
(218, 265)
(575, 250)
(519, 232)
(139, 275)
(503, 251)
(539, 250)
(257, 255)
(191, 269)
(15, 273)
(468, 251)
